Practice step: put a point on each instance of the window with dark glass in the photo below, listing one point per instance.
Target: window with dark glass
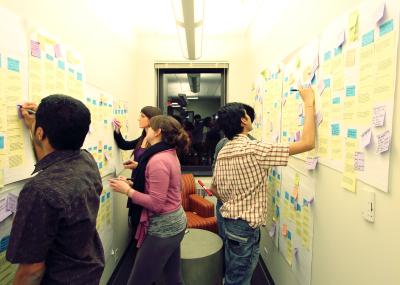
(193, 96)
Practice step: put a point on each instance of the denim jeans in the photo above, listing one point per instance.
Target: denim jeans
(242, 249)
(220, 220)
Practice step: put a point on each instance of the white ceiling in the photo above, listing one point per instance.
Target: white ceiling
(221, 17)
(210, 85)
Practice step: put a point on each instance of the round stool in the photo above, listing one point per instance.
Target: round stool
(202, 258)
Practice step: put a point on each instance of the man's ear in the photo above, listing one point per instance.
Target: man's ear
(243, 121)
(40, 133)
(158, 132)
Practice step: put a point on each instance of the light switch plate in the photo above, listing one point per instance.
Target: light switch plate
(368, 205)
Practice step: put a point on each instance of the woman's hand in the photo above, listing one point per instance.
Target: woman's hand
(123, 178)
(117, 126)
(119, 186)
(130, 164)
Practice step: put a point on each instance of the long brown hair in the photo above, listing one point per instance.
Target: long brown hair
(149, 112)
(172, 132)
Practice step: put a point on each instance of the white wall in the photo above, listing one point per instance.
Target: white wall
(346, 249)
(150, 49)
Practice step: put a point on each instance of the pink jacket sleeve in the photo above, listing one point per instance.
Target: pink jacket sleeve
(157, 183)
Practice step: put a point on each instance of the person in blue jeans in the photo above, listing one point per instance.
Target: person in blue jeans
(220, 220)
(240, 182)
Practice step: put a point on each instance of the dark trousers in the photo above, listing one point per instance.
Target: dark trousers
(155, 256)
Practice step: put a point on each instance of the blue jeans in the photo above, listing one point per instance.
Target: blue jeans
(220, 220)
(242, 249)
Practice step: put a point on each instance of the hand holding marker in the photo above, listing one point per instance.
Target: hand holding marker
(204, 187)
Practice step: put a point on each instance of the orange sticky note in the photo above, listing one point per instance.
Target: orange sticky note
(296, 192)
(284, 230)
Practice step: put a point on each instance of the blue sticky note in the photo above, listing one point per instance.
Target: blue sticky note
(367, 38)
(61, 64)
(305, 202)
(270, 178)
(4, 243)
(278, 193)
(13, 64)
(279, 177)
(277, 211)
(336, 100)
(335, 129)
(79, 76)
(71, 70)
(273, 172)
(286, 79)
(350, 91)
(108, 195)
(285, 133)
(289, 235)
(49, 57)
(286, 94)
(327, 55)
(273, 200)
(314, 79)
(292, 199)
(297, 96)
(386, 27)
(286, 195)
(1, 142)
(301, 120)
(327, 82)
(352, 133)
(338, 50)
(298, 207)
(103, 198)
(110, 148)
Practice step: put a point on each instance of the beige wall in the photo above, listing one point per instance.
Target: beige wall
(346, 249)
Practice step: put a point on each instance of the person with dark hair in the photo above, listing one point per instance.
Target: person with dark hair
(220, 220)
(138, 145)
(53, 237)
(240, 182)
(157, 188)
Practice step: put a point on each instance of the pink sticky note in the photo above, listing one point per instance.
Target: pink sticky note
(359, 161)
(378, 119)
(380, 11)
(57, 51)
(35, 49)
(340, 38)
(107, 156)
(383, 141)
(298, 134)
(318, 118)
(311, 163)
(366, 138)
(321, 87)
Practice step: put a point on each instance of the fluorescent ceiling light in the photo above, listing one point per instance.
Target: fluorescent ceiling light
(189, 16)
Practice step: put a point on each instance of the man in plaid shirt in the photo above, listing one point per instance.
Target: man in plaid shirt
(240, 181)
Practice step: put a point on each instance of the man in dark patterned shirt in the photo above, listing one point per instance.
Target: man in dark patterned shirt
(54, 237)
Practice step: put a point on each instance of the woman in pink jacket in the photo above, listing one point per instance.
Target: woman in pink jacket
(163, 221)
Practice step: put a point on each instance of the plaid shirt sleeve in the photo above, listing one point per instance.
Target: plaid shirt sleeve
(272, 154)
